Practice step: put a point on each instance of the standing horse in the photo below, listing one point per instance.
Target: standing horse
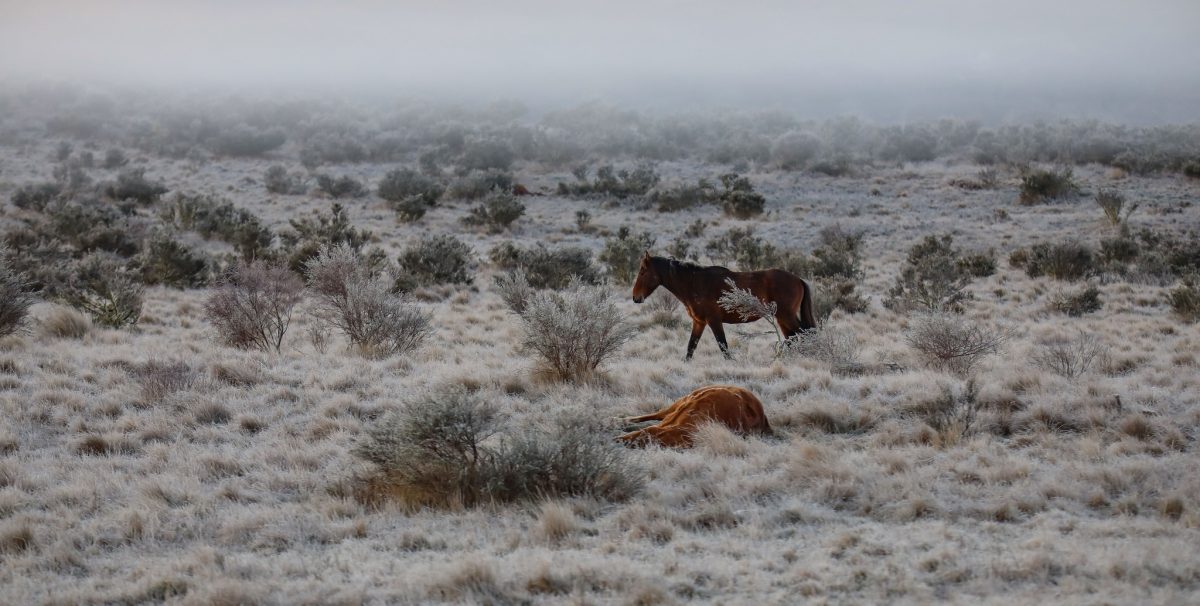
(699, 288)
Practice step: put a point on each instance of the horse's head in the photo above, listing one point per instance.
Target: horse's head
(647, 280)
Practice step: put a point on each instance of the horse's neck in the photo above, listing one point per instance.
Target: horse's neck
(674, 281)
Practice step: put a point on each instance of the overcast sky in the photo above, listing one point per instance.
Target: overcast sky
(1092, 56)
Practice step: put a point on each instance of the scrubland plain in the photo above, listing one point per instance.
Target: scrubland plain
(154, 463)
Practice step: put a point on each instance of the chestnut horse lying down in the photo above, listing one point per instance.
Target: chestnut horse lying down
(734, 407)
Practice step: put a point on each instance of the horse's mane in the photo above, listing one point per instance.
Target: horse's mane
(673, 264)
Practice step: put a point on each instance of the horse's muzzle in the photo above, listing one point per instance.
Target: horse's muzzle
(638, 299)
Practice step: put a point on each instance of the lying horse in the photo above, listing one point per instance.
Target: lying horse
(734, 407)
(699, 288)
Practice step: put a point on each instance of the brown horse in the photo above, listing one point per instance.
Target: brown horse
(734, 407)
(698, 288)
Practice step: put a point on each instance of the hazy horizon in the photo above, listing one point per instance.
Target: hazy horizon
(1110, 60)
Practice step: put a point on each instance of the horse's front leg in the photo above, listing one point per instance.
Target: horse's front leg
(697, 330)
(719, 332)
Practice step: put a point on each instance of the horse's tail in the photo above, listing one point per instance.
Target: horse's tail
(806, 312)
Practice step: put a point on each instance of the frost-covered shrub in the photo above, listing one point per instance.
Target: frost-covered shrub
(252, 307)
(103, 287)
(357, 300)
(932, 279)
(15, 296)
(622, 254)
(952, 342)
(164, 260)
(450, 448)
(1041, 185)
(133, 185)
(739, 200)
(434, 260)
(279, 181)
(344, 186)
(405, 184)
(546, 267)
(575, 331)
(497, 212)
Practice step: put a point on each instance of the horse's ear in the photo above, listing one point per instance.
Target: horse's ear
(646, 254)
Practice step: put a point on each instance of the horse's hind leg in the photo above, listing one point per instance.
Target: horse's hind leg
(719, 332)
(697, 330)
(654, 416)
(789, 325)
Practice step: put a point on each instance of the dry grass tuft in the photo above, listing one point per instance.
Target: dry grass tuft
(160, 379)
(556, 521)
(835, 419)
(16, 536)
(717, 439)
(1136, 426)
(236, 375)
(210, 413)
(63, 322)
(472, 580)
(92, 445)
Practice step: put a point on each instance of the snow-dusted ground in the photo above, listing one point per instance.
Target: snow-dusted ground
(241, 491)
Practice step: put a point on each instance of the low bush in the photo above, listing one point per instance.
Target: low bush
(684, 196)
(575, 331)
(451, 449)
(15, 296)
(739, 200)
(545, 267)
(252, 306)
(404, 184)
(410, 209)
(1185, 298)
(1070, 356)
(103, 287)
(279, 181)
(36, 196)
(133, 185)
(344, 186)
(215, 218)
(838, 256)
(623, 253)
(1112, 203)
(1039, 186)
(164, 260)
(1064, 261)
(358, 301)
(114, 158)
(831, 344)
(619, 184)
(740, 247)
(978, 265)
(497, 212)
(514, 289)
(1078, 303)
(309, 235)
(932, 279)
(951, 342)
(478, 184)
(434, 260)
(836, 293)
